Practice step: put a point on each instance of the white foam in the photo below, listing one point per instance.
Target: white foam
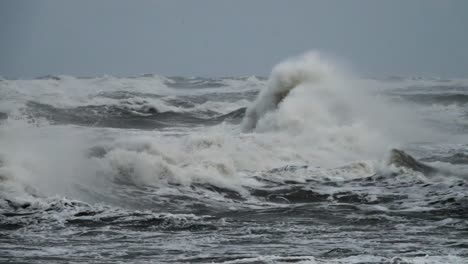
(49, 160)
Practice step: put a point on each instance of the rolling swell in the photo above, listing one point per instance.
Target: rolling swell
(76, 213)
(113, 116)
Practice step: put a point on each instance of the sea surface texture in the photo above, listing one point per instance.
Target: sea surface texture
(309, 165)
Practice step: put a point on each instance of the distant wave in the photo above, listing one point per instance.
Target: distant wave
(122, 116)
(443, 99)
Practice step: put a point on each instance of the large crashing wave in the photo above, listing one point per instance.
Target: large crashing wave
(323, 108)
(286, 76)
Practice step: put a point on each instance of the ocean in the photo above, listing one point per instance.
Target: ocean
(311, 164)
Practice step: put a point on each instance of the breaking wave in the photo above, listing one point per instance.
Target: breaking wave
(316, 104)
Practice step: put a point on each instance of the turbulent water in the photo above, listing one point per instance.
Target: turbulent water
(294, 168)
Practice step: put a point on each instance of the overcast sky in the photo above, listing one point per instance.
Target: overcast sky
(230, 38)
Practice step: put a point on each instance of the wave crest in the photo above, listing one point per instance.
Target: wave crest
(285, 77)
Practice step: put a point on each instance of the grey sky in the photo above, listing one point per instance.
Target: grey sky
(226, 38)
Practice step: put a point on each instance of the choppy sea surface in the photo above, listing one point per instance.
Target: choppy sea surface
(294, 168)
